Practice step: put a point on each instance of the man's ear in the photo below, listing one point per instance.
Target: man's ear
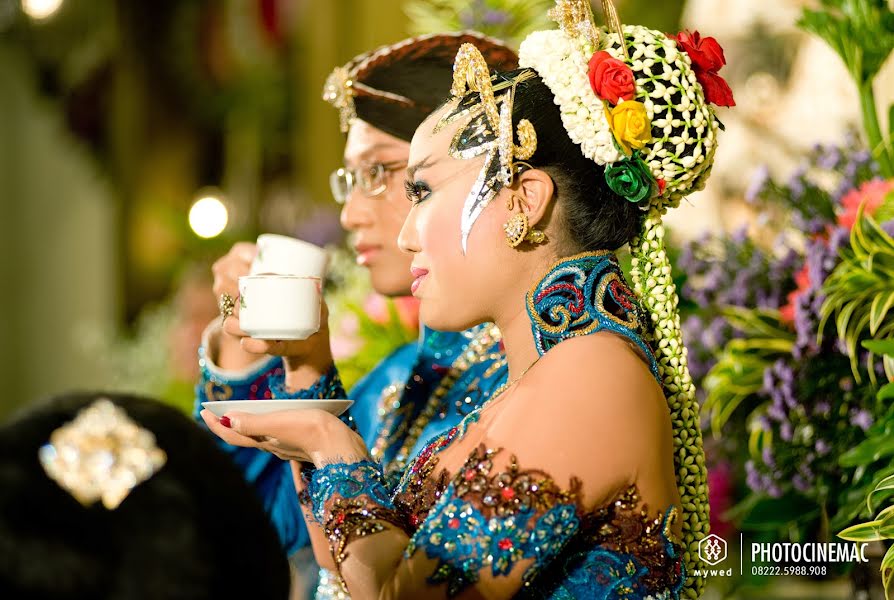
(536, 190)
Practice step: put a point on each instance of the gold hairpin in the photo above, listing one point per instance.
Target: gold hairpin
(575, 19)
(102, 454)
(613, 22)
(471, 74)
(338, 91)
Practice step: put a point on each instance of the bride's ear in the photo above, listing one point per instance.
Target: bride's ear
(536, 190)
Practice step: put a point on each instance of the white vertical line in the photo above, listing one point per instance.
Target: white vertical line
(741, 552)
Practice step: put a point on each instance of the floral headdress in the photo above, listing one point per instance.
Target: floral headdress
(637, 105)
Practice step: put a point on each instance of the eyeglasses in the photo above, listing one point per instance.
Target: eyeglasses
(371, 179)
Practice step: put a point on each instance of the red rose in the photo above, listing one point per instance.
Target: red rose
(717, 90)
(611, 79)
(707, 58)
(706, 54)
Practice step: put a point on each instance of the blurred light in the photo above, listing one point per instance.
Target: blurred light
(208, 217)
(40, 9)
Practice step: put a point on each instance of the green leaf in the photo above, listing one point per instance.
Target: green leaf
(888, 560)
(886, 392)
(885, 484)
(771, 514)
(867, 451)
(863, 532)
(879, 309)
(879, 346)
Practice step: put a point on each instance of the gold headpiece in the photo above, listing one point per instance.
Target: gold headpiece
(489, 131)
(338, 91)
(575, 19)
(101, 454)
(341, 88)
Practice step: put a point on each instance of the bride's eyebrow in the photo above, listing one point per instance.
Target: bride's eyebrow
(425, 163)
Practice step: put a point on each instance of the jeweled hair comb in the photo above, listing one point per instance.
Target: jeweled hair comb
(102, 454)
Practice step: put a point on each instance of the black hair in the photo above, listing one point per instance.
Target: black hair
(193, 530)
(595, 217)
(420, 69)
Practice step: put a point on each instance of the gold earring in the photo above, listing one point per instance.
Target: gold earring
(535, 236)
(516, 229)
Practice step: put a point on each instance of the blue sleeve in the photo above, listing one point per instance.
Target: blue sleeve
(270, 476)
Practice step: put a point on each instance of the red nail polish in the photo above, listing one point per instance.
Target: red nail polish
(225, 421)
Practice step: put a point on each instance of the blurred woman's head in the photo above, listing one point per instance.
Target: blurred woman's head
(192, 529)
(382, 97)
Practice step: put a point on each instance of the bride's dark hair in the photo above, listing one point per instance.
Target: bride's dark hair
(595, 217)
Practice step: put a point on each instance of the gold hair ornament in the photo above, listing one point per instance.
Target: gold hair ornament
(488, 132)
(614, 24)
(338, 91)
(102, 454)
(341, 88)
(575, 19)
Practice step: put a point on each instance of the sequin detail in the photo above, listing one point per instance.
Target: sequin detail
(482, 521)
(351, 501)
(584, 294)
(329, 385)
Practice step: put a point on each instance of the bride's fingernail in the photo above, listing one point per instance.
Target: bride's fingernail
(225, 421)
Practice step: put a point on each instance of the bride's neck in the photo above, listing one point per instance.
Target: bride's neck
(514, 322)
(518, 340)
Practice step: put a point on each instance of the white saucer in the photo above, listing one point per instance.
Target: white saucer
(262, 407)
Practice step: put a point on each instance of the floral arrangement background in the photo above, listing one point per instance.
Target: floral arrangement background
(779, 316)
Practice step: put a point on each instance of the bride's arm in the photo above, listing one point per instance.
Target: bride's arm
(514, 504)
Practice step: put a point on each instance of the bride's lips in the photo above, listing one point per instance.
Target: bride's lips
(419, 274)
(365, 253)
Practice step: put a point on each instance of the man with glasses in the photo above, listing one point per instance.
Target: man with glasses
(421, 389)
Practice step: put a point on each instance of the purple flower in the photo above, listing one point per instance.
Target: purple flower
(829, 159)
(758, 184)
(822, 448)
(861, 418)
(786, 431)
(796, 183)
(495, 17)
(752, 477)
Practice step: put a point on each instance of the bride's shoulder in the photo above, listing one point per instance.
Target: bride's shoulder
(593, 377)
(599, 358)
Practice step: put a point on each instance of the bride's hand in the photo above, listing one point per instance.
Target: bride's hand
(309, 435)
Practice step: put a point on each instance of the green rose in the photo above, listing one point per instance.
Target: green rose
(630, 179)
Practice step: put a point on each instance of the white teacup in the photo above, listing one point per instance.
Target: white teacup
(284, 255)
(279, 307)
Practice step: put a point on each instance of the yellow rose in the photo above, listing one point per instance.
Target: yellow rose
(630, 125)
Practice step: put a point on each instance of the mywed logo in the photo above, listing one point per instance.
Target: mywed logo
(712, 549)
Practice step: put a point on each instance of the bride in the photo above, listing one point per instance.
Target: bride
(583, 476)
